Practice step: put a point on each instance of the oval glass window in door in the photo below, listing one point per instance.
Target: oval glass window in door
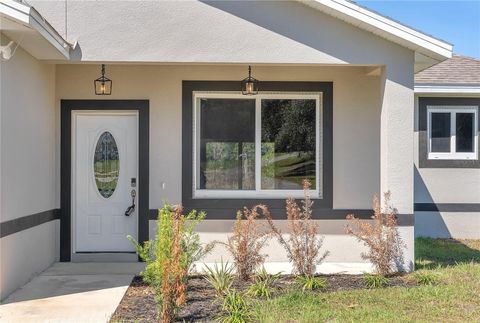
(106, 164)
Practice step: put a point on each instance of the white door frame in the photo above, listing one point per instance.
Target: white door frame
(74, 114)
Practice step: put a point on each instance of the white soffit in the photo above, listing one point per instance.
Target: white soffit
(25, 26)
(428, 50)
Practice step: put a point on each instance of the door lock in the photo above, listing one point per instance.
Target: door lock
(131, 208)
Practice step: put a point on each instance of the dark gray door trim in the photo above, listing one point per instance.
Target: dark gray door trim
(423, 161)
(29, 221)
(227, 208)
(67, 106)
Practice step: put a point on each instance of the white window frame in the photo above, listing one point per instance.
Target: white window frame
(453, 154)
(257, 192)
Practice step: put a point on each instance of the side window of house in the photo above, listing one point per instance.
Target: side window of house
(260, 146)
(452, 132)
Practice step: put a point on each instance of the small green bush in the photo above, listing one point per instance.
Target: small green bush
(375, 281)
(235, 308)
(152, 252)
(311, 282)
(170, 257)
(425, 277)
(220, 277)
(260, 289)
(264, 276)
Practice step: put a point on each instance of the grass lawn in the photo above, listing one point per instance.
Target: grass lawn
(455, 297)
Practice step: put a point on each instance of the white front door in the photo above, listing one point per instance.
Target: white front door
(104, 175)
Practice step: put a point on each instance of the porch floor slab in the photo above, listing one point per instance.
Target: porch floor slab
(71, 292)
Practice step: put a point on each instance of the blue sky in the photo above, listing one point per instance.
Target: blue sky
(455, 21)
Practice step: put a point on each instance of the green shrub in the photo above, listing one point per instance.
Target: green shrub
(375, 281)
(311, 282)
(425, 277)
(264, 276)
(170, 257)
(260, 289)
(263, 283)
(192, 249)
(220, 277)
(235, 308)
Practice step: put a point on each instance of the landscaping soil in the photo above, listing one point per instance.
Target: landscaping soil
(138, 303)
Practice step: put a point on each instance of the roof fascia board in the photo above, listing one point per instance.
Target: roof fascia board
(406, 36)
(450, 89)
(31, 18)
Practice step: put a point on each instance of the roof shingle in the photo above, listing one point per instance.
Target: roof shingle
(458, 70)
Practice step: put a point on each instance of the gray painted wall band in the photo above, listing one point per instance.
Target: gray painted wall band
(423, 161)
(447, 207)
(216, 215)
(29, 221)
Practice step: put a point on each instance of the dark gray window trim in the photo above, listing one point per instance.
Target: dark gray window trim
(67, 106)
(29, 221)
(423, 161)
(227, 208)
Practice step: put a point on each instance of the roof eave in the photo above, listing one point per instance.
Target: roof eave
(29, 20)
(385, 27)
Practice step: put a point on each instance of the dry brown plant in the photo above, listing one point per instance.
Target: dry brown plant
(249, 236)
(380, 236)
(304, 243)
(173, 288)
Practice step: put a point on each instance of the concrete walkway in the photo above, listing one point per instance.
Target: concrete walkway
(71, 292)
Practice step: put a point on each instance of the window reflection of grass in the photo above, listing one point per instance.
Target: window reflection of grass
(106, 176)
(290, 167)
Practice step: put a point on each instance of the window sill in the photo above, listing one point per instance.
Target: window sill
(440, 156)
(224, 194)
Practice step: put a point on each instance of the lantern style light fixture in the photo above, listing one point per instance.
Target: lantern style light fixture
(249, 84)
(103, 85)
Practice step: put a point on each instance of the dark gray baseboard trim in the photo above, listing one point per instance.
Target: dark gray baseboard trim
(404, 220)
(447, 207)
(29, 221)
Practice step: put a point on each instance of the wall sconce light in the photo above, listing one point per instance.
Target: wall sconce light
(249, 84)
(103, 85)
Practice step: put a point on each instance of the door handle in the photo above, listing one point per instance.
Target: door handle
(131, 208)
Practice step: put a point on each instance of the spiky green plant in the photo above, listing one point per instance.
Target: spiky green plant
(375, 281)
(235, 309)
(311, 282)
(220, 277)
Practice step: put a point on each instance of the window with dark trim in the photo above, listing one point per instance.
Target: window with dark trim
(452, 132)
(448, 130)
(216, 139)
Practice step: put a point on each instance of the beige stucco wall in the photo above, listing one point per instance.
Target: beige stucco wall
(359, 102)
(211, 31)
(356, 118)
(28, 172)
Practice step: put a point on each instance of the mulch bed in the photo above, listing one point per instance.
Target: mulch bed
(138, 303)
